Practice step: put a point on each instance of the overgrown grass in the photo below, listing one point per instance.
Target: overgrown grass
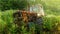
(51, 22)
(6, 22)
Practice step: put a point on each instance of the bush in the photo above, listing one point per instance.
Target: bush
(51, 22)
(13, 4)
(6, 22)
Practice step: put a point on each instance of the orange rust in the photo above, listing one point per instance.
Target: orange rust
(26, 15)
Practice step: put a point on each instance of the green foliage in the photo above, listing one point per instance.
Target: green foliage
(51, 7)
(51, 22)
(13, 4)
(6, 22)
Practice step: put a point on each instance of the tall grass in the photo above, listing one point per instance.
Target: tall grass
(6, 22)
(51, 22)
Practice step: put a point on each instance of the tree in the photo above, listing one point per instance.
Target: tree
(13, 4)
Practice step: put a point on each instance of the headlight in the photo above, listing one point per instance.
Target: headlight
(38, 15)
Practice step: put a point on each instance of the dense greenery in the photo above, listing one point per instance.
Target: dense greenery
(51, 18)
(6, 22)
(50, 6)
(13, 4)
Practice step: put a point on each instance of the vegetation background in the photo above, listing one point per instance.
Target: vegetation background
(8, 7)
